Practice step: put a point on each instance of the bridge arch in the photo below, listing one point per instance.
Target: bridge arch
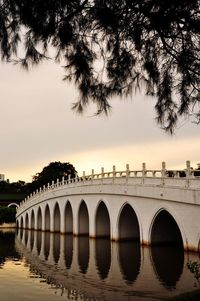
(47, 218)
(26, 221)
(128, 224)
(32, 226)
(13, 205)
(39, 219)
(83, 219)
(21, 222)
(166, 229)
(102, 220)
(68, 218)
(56, 218)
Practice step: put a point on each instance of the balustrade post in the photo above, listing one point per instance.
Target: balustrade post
(92, 175)
(144, 171)
(113, 174)
(63, 180)
(163, 171)
(127, 170)
(69, 179)
(188, 169)
(83, 177)
(114, 171)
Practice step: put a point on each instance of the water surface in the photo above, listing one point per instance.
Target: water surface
(41, 266)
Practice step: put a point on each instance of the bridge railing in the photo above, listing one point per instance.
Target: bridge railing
(165, 176)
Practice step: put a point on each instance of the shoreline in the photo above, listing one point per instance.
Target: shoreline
(8, 226)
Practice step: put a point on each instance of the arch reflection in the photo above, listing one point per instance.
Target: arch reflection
(39, 241)
(31, 233)
(46, 245)
(168, 262)
(100, 262)
(56, 247)
(103, 256)
(129, 260)
(26, 236)
(83, 253)
(68, 250)
(21, 233)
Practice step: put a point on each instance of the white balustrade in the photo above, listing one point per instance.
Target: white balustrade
(179, 178)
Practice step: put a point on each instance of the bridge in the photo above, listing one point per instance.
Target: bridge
(151, 206)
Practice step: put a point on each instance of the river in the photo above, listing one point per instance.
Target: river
(41, 266)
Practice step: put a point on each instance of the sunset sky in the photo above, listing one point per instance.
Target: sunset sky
(39, 127)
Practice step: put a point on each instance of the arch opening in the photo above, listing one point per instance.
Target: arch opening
(39, 219)
(128, 224)
(21, 223)
(68, 218)
(32, 220)
(165, 230)
(47, 218)
(14, 205)
(26, 221)
(83, 220)
(56, 218)
(102, 221)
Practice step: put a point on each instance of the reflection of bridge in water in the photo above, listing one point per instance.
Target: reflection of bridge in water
(147, 205)
(99, 269)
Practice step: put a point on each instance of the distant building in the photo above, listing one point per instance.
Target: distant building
(2, 177)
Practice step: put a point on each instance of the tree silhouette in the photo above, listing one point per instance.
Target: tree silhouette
(52, 172)
(113, 48)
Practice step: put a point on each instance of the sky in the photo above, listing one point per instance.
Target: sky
(37, 126)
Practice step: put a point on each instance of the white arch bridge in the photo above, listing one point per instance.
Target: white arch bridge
(153, 206)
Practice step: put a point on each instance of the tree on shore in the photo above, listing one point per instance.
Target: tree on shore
(52, 172)
(113, 48)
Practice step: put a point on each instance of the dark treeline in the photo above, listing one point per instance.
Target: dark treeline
(52, 172)
(7, 215)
